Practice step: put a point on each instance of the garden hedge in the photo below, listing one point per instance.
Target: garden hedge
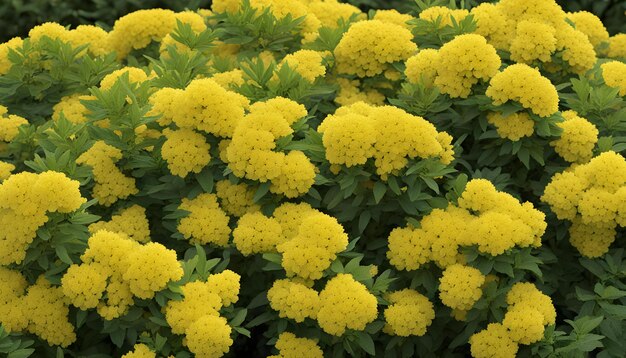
(303, 178)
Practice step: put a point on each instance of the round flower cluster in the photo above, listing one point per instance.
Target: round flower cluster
(318, 240)
(250, 153)
(71, 108)
(135, 75)
(493, 221)
(111, 184)
(369, 47)
(25, 201)
(422, 67)
(40, 309)
(593, 197)
(345, 304)
(185, 151)
(526, 85)
(256, 233)
(138, 29)
(614, 75)
(131, 221)
(307, 63)
(460, 286)
(206, 222)
(578, 139)
(514, 126)
(617, 46)
(528, 313)
(9, 125)
(5, 63)
(391, 136)
(539, 31)
(590, 25)
(462, 62)
(205, 106)
(5, 170)
(140, 351)
(121, 267)
(409, 314)
(207, 334)
(290, 346)
(236, 199)
(294, 300)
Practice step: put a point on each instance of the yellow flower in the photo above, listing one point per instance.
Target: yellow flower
(206, 222)
(512, 127)
(209, 336)
(131, 221)
(140, 351)
(293, 300)
(185, 151)
(370, 46)
(409, 314)
(524, 84)
(255, 233)
(345, 304)
(614, 75)
(460, 286)
(493, 342)
(291, 346)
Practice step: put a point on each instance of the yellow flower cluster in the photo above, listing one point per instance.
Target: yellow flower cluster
(206, 106)
(314, 246)
(514, 126)
(250, 153)
(614, 75)
(578, 139)
(140, 351)
(330, 12)
(185, 151)
(350, 92)
(592, 196)
(460, 286)
(394, 17)
(71, 108)
(293, 299)
(345, 304)
(40, 309)
(256, 233)
(462, 62)
(533, 41)
(526, 85)
(121, 267)
(590, 25)
(5, 63)
(499, 222)
(206, 222)
(538, 31)
(290, 346)
(164, 104)
(369, 47)
(5, 170)
(25, 200)
(111, 184)
(9, 125)
(422, 67)
(131, 221)
(443, 14)
(409, 314)
(617, 46)
(388, 134)
(236, 199)
(307, 63)
(494, 341)
(528, 312)
(138, 29)
(197, 316)
(135, 75)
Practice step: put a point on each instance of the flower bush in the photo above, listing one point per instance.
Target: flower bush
(273, 178)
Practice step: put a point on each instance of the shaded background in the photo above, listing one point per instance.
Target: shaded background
(19, 16)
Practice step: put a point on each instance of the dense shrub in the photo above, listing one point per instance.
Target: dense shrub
(294, 178)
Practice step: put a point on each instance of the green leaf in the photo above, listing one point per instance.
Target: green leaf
(366, 343)
(379, 191)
